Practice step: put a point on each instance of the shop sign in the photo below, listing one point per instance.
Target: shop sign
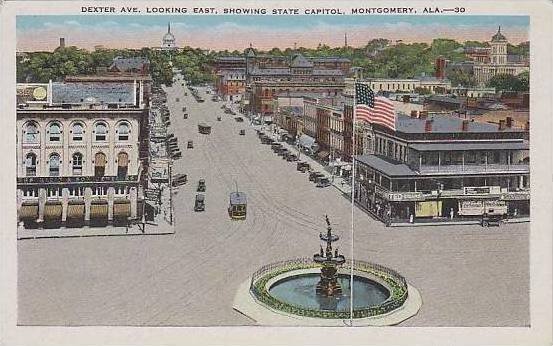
(57, 180)
(405, 196)
(516, 196)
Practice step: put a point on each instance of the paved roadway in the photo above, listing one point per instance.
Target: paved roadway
(468, 276)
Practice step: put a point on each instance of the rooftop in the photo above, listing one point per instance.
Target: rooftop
(445, 124)
(129, 64)
(385, 165)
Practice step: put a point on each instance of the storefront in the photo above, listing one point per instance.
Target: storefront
(98, 213)
(75, 213)
(121, 211)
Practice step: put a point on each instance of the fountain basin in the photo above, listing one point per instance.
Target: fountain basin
(384, 297)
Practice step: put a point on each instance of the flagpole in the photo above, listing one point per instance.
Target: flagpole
(354, 115)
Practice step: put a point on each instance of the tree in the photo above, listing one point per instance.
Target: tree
(461, 78)
(506, 82)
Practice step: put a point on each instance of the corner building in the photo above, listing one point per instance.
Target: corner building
(78, 146)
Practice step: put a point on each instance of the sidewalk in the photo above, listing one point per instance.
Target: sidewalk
(87, 231)
(419, 223)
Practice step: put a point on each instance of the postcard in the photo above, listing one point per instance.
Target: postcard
(276, 173)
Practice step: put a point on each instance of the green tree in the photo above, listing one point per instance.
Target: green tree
(506, 82)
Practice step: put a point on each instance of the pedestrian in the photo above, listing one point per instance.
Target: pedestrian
(411, 218)
(451, 213)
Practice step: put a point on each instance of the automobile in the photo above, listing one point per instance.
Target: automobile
(228, 111)
(323, 182)
(491, 220)
(292, 158)
(239, 119)
(201, 185)
(242, 132)
(232, 112)
(190, 145)
(179, 179)
(276, 146)
(218, 118)
(313, 175)
(201, 100)
(199, 203)
(302, 167)
(177, 100)
(184, 109)
(176, 156)
(185, 116)
(282, 151)
(223, 106)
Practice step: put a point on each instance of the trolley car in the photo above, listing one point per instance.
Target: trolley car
(237, 206)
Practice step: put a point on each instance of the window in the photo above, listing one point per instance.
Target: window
(123, 131)
(31, 133)
(101, 131)
(30, 165)
(54, 133)
(99, 164)
(77, 164)
(77, 132)
(54, 165)
(122, 165)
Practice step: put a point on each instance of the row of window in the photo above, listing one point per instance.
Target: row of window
(75, 191)
(77, 160)
(54, 132)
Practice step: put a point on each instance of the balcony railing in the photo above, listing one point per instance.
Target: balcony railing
(525, 168)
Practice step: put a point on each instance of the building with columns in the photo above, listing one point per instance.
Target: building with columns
(78, 152)
(498, 61)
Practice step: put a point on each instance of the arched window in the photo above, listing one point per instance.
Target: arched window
(54, 132)
(77, 161)
(122, 165)
(30, 165)
(101, 131)
(54, 165)
(123, 131)
(99, 164)
(77, 132)
(31, 133)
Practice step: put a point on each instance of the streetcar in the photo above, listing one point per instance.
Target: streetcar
(204, 128)
(237, 206)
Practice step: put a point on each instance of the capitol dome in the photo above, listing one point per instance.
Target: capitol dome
(168, 40)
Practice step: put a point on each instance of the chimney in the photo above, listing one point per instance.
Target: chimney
(62, 42)
(423, 114)
(509, 122)
(414, 114)
(428, 125)
(501, 125)
(465, 126)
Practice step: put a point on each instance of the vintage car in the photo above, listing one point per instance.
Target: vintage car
(178, 180)
(176, 155)
(185, 116)
(313, 175)
(184, 109)
(199, 204)
(282, 151)
(201, 185)
(218, 118)
(239, 119)
(323, 182)
(177, 100)
(491, 220)
(204, 128)
(237, 205)
(292, 158)
(302, 167)
(242, 132)
(190, 145)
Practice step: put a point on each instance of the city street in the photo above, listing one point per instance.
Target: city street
(467, 275)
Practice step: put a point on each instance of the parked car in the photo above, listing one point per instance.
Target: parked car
(190, 145)
(185, 116)
(242, 132)
(239, 119)
(176, 156)
(199, 204)
(228, 111)
(292, 158)
(218, 118)
(313, 175)
(302, 166)
(184, 109)
(282, 151)
(177, 100)
(491, 220)
(201, 185)
(323, 182)
(178, 180)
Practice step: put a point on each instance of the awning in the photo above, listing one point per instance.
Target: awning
(99, 210)
(306, 141)
(75, 210)
(53, 211)
(28, 212)
(322, 154)
(122, 208)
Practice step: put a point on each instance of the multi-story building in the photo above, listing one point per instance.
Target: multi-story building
(410, 85)
(231, 84)
(78, 152)
(498, 62)
(441, 166)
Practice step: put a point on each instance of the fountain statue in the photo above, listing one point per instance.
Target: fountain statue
(328, 284)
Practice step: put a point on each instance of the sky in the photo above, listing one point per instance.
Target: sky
(42, 33)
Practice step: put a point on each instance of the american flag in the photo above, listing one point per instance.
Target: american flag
(373, 109)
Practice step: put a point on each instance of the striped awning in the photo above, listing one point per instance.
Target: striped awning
(52, 211)
(122, 208)
(99, 210)
(75, 210)
(28, 212)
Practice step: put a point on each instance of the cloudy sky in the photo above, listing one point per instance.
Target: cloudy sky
(36, 33)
